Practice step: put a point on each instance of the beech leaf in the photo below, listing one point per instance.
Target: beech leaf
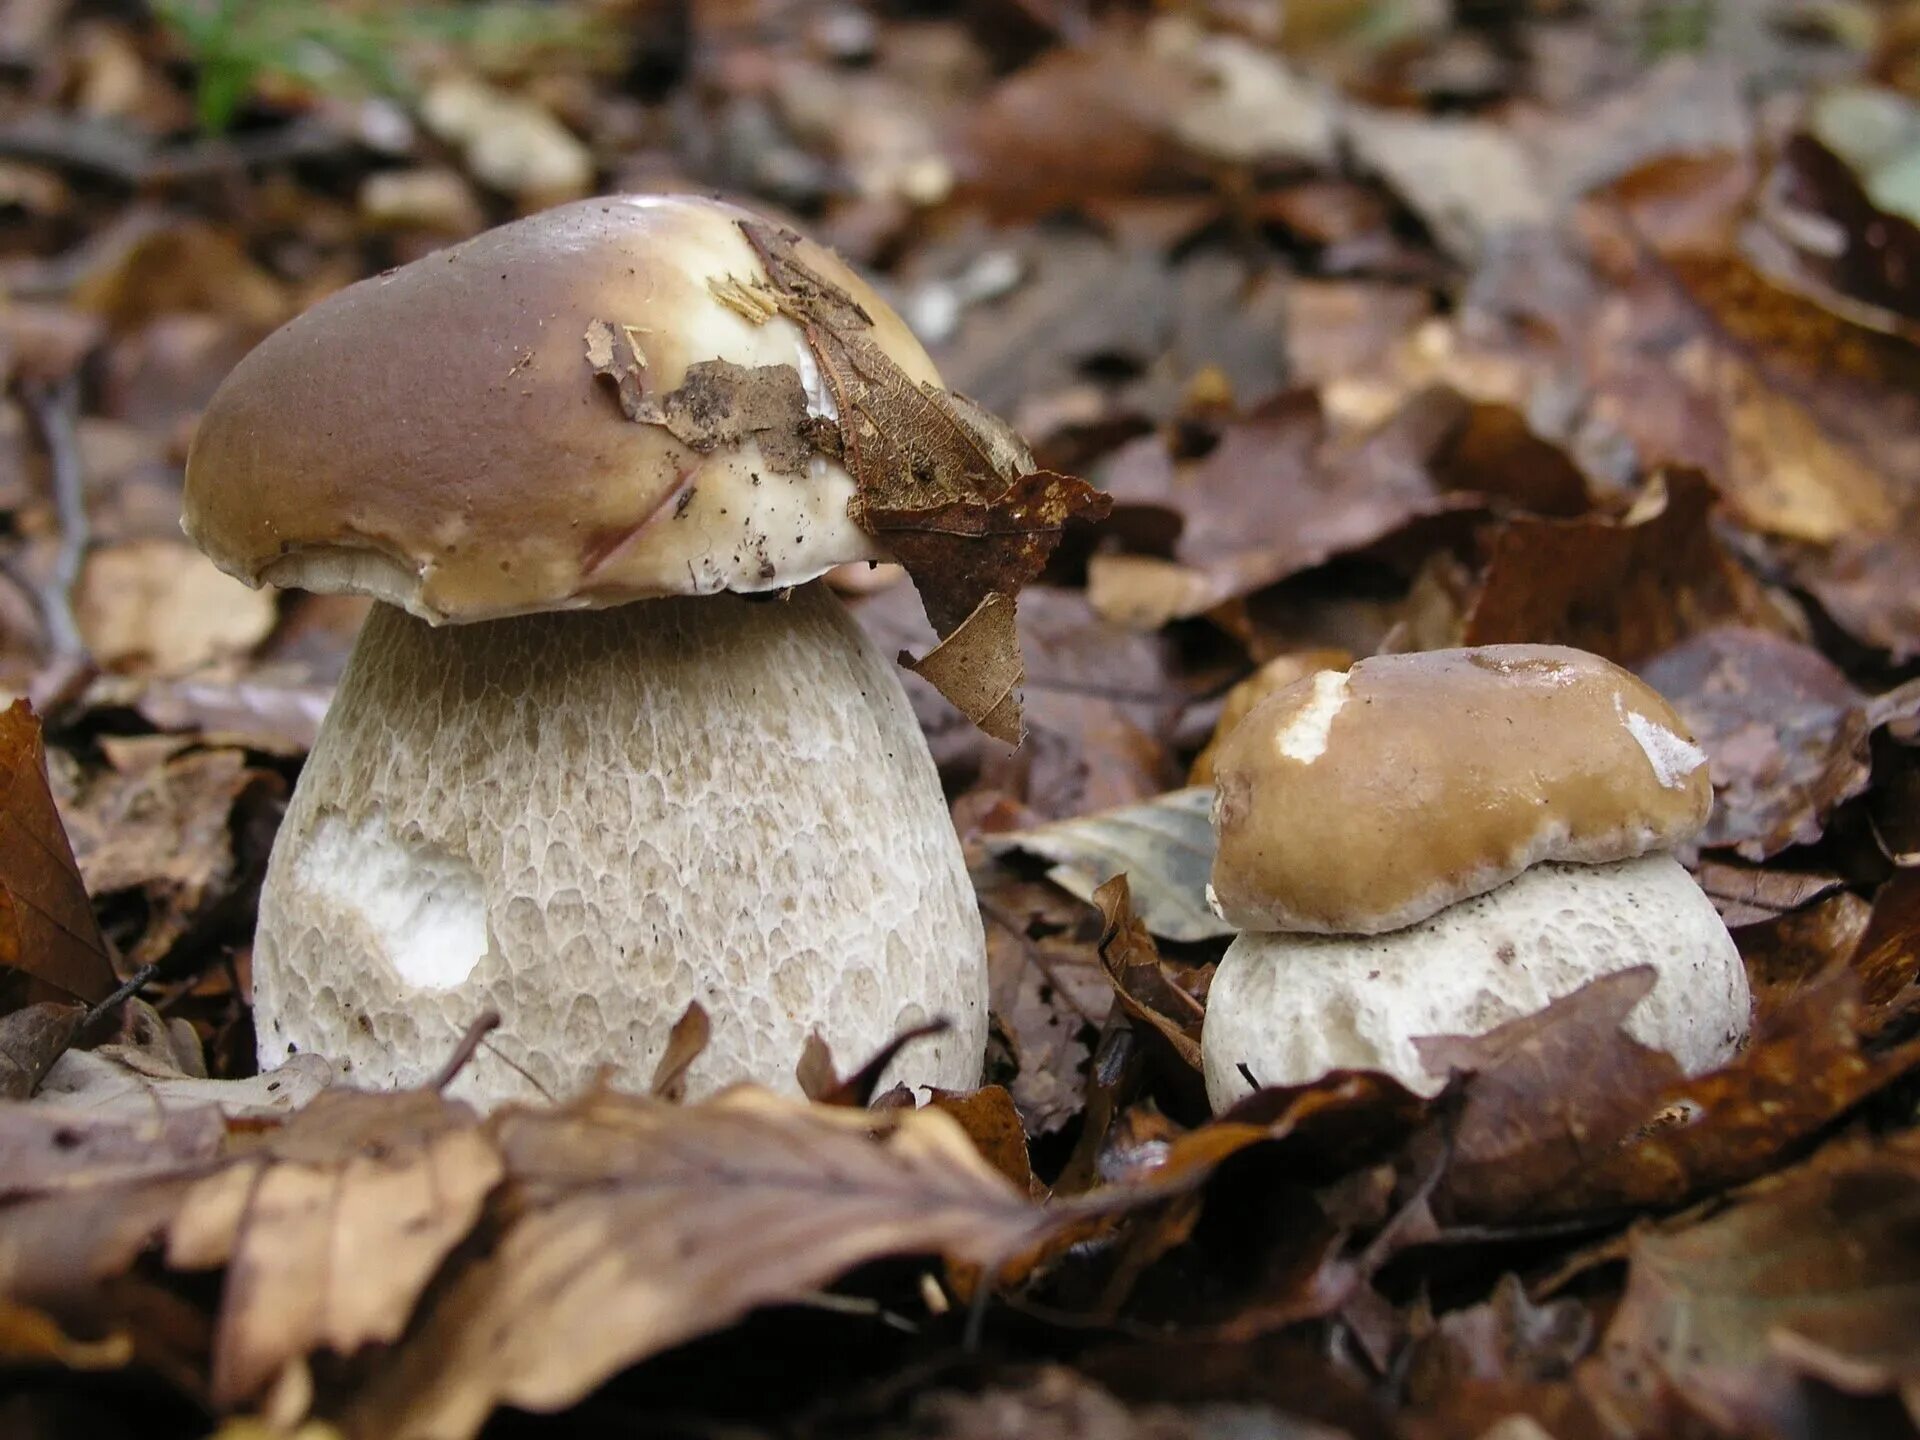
(47, 929)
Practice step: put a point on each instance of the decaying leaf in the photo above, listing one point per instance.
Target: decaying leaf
(1795, 1077)
(31, 1040)
(164, 833)
(948, 487)
(1550, 1095)
(1785, 732)
(1140, 981)
(639, 1225)
(1164, 848)
(718, 404)
(1816, 1273)
(402, 1177)
(1626, 589)
(47, 929)
(978, 669)
(933, 473)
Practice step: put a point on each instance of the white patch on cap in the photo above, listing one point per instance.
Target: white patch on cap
(1305, 738)
(1673, 759)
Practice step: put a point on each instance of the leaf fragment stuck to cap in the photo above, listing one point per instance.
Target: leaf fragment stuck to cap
(950, 488)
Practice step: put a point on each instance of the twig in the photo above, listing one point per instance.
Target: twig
(105, 149)
(488, 1021)
(55, 409)
(128, 988)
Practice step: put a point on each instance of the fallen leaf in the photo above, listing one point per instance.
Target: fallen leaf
(1505, 1337)
(1048, 993)
(993, 1125)
(685, 1043)
(1807, 1068)
(1815, 1273)
(639, 1225)
(351, 1175)
(160, 605)
(978, 669)
(1469, 180)
(1748, 895)
(129, 1082)
(1141, 982)
(165, 834)
(1550, 1095)
(1865, 582)
(1784, 731)
(1626, 589)
(1164, 848)
(1277, 495)
(31, 1040)
(47, 929)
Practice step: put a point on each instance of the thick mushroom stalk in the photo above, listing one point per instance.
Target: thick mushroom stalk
(1288, 1008)
(587, 821)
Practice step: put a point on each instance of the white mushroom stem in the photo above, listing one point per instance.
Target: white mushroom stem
(1290, 1008)
(587, 821)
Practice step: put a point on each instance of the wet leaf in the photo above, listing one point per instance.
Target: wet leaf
(1164, 848)
(47, 929)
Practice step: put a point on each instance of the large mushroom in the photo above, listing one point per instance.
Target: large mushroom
(602, 750)
(1438, 843)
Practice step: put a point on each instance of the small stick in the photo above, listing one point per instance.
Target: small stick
(55, 409)
(487, 1022)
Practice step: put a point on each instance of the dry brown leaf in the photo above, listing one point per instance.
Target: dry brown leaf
(993, 1125)
(639, 1225)
(1794, 1078)
(296, 1222)
(978, 668)
(1141, 982)
(31, 1040)
(165, 833)
(1784, 730)
(1277, 495)
(1550, 1095)
(47, 929)
(160, 605)
(1815, 1273)
(1626, 589)
(950, 488)
(685, 1042)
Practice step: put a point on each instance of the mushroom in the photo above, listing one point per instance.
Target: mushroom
(1439, 843)
(605, 747)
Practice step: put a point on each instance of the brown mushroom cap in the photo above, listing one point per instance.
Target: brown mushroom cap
(437, 437)
(1361, 802)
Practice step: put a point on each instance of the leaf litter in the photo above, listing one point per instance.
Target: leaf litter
(1382, 336)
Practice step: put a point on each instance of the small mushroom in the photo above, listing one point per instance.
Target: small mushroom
(605, 747)
(1439, 843)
